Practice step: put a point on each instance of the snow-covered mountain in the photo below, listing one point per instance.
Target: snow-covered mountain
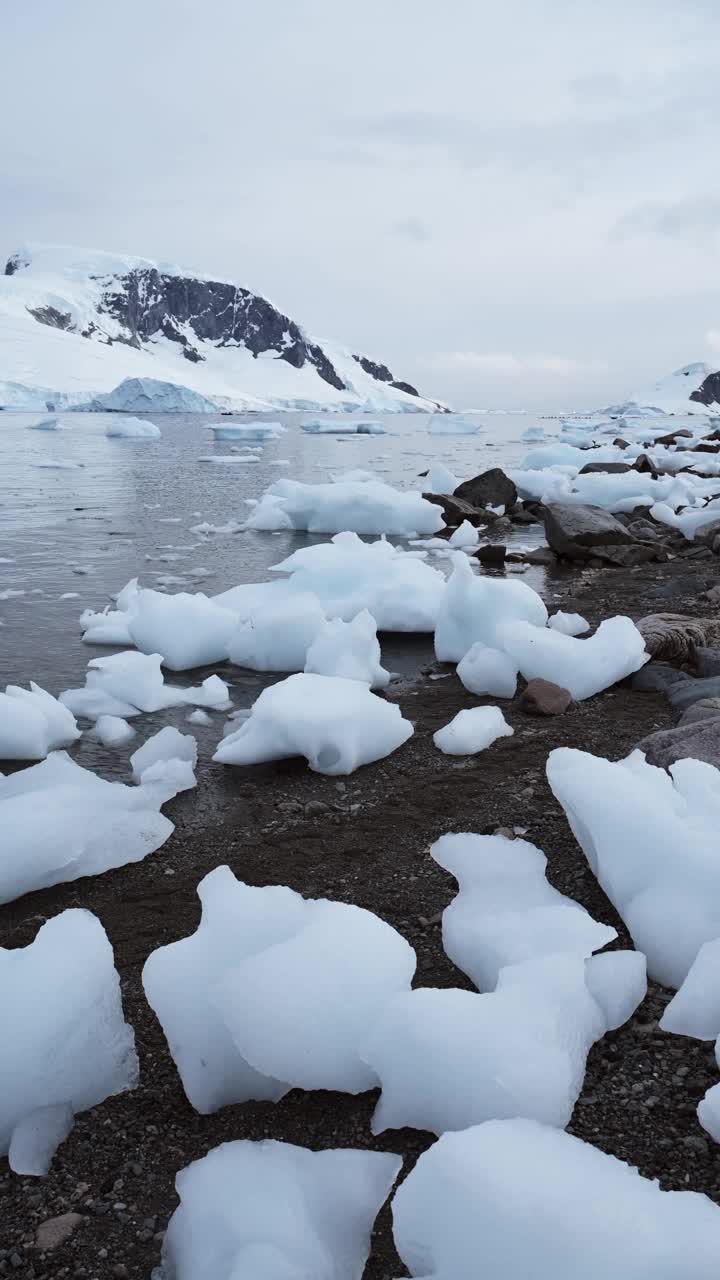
(76, 325)
(692, 389)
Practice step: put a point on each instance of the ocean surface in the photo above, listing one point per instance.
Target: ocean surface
(127, 509)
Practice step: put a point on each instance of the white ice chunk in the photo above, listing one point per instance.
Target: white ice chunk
(452, 424)
(447, 1059)
(213, 693)
(512, 1199)
(188, 630)
(33, 723)
(273, 1211)
(466, 535)
(568, 624)
(439, 479)
(90, 704)
(132, 677)
(695, 1009)
(168, 744)
(651, 839)
(338, 725)
(358, 506)
(48, 424)
(474, 607)
(488, 671)
(348, 649)
(199, 717)
(278, 636)
(133, 429)
(65, 1044)
(113, 731)
(505, 911)
(585, 667)
(472, 730)
(342, 427)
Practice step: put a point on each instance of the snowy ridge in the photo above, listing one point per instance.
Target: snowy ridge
(693, 389)
(76, 323)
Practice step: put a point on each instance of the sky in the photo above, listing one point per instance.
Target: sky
(512, 204)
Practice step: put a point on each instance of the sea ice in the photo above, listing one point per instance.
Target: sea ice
(199, 717)
(189, 630)
(247, 430)
(466, 535)
(272, 1211)
(488, 671)
(348, 649)
(133, 428)
(360, 506)
(439, 479)
(168, 745)
(568, 624)
(505, 911)
(278, 636)
(472, 730)
(513, 1199)
(448, 1059)
(451, 424)
(33, 723)
(48, 424)
(474, 607)
(113, 731)
(585, 667)
(65, 1044)
(342, 427)
(650, 838)
(695, 1009)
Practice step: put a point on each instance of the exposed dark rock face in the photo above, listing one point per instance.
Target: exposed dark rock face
(381, 373)
(51, 316)
(709, 391)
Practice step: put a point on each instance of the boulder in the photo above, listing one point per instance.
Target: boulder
(626, 557)
(620, 443)
(575, 531)
(455, 510)
(699, 740)
(657, 677)
(644, 464)
(676, 636)
(707, 533)
(491, 489)
(703, 709)
(493, 554)
(535, 555)
(543, 698)
(707, 661)
(646, 530)
(609, 468)
(672, 436)
(682, 696)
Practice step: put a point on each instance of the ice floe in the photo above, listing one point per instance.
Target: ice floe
(360, 506)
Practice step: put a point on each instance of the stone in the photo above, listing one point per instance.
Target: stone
(491, 489)
(543, 698)
(700, 740)
(677, 635)
(55, 1231)
(524, 515)
(493, 554)
(535, 555)
(673, 436)
(682, 696)
(645, 465)
(575, 531)
(703, 709)
(609, 468)
(619, 443)
(630, 556)
(645, 530)
(707, 661)
(455, 510)
(707, 533)
(657, 677)
(712, 595)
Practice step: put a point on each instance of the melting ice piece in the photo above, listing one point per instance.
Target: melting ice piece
(497, 1201)
(337, 724)
(189, 630)
(650, 838)
(273, 991)
(472, 730)
(133, 429)
(488, 671)
(359, 506)
(113, 731)
(273, 1211)
(695, 1009)
(277, 636)
(167, 747)
(505, 911)
(348, 649)
(60, 822)
(568, 624)
(33, 723)
(448, 1059)
(585, 667)
(474, 608)
(79, 1052)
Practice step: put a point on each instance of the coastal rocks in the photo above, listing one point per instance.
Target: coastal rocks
(686, 693)
(490, 489)
(492, 555)
(543, 698)
(657, 677)
(676, 636)
(55, 1231)
(579, 532)
(673, 436)
(606, 468)
(703, 709)
(707, 662)
(455, 510)
(699, 741)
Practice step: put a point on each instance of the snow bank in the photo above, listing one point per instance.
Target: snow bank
(273, 1211)
(360, 506)
(474, 607)
(273, 991)
(278, 636)
(505, 911)
(32, 723)
(60, 822)
(512, 1199)
(488, 671)
(337, 724)
(189, 630)
(585, 667)
(65, 1044)
(650, 837)
(472, 730)
(448, 1059)
(348, 649)
(133, 428)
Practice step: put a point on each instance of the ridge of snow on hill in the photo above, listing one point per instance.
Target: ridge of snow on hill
(77, 323)
(693, 389)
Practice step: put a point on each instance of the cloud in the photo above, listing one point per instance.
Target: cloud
(412, 229)
(712, 338)
(695, 219)
(505, 362)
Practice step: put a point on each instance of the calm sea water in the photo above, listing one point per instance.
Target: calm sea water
(127, 512)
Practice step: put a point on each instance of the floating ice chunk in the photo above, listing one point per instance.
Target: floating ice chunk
(585, 667)
(512, 1199)
(505, 911)
(213, 693)
(488, 671)
(135, 678)
(338, 725)
(60, 822)
(447, 1059)
(651, 839)
(466, 535)
(33, 723)
(708, 1111)
(113, 731)
(568, 624)
(208, 991)
(91, 704)
(79, 1052)
(188, 630)
(534, 433)
(133, 428)
(48, 424)
(350, 650)
(273, 1211)
(278, 636)
(342, 427)
(167, 745)
(451, 424)
(695, 1009)
(109, 627)
(689, 521)
(439, 479)
(358, 506)
(474, 607)
(56, 464)
(472, 730)
(227, 457)
(247, 430)
(199, 717)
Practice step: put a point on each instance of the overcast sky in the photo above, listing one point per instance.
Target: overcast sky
(513, 203)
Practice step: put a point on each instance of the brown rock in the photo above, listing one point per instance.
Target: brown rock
(620, 443)
(493, 554)
(676, 636)
(610, 468)
(575, 530)
(455, 510)
(55, 1231)
(543, 698)
(672, 436)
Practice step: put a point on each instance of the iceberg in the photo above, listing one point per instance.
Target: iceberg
(133, 429)
(358, 506)
(585, 667)
(188, 630)
(151, 395)
(33, 723)
(278, 636)
(484, 670)
(325, 427)
(348, 649)
(474, 608)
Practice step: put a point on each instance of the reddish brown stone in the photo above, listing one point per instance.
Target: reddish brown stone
(543, 698)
